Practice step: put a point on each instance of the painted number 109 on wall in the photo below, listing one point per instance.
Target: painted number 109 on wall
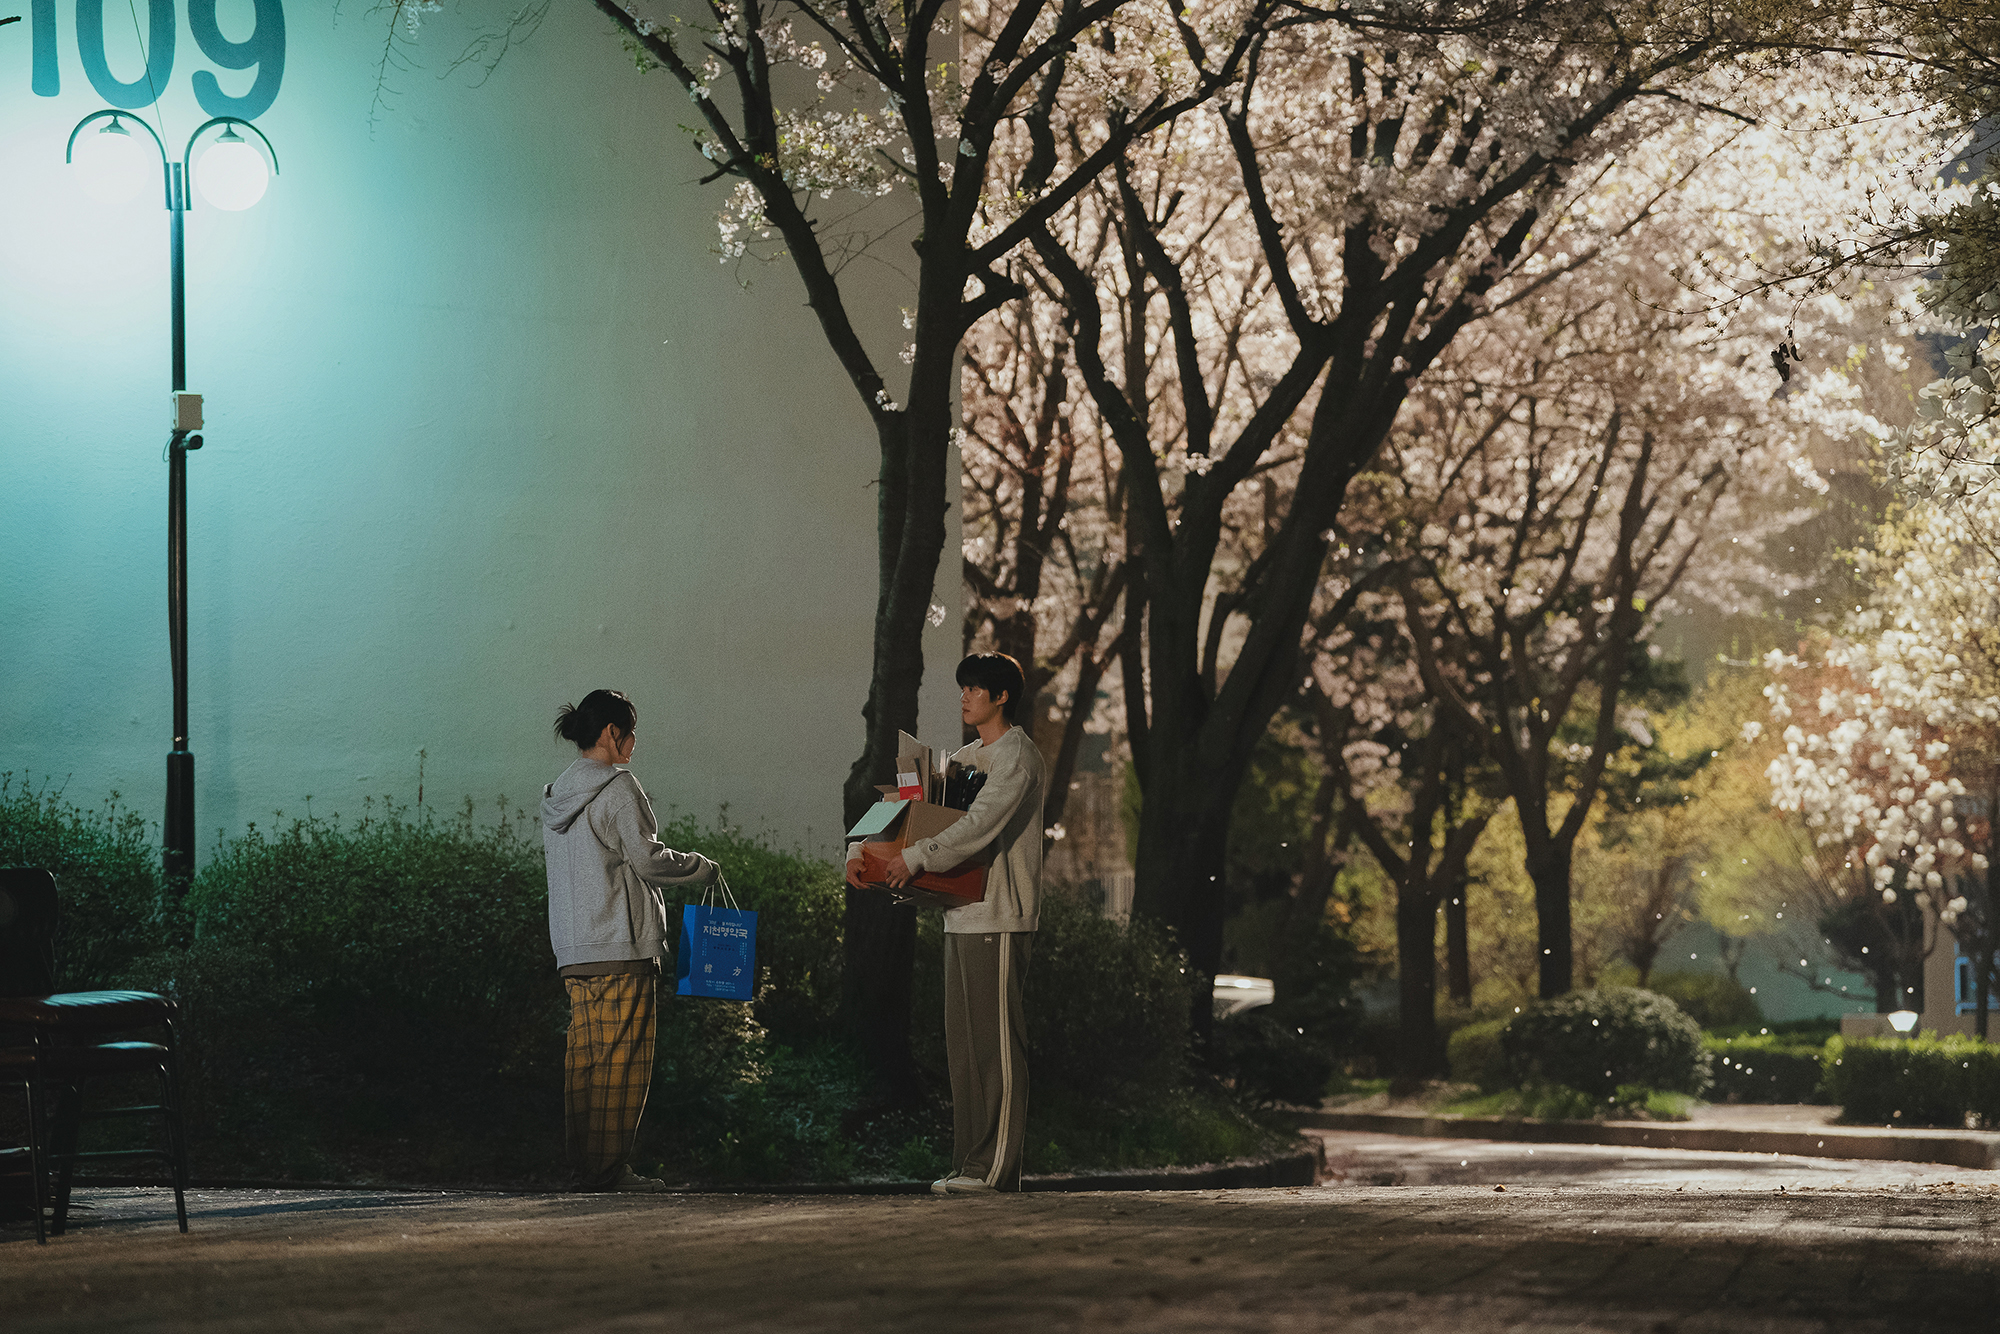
(263, 49)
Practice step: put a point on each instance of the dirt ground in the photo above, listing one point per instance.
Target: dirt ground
(1612, 1241)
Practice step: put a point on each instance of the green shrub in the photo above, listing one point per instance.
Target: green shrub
(1477, 1056)
(1107, 1003)
(375, 999)
(1289, 1051)
(798, 900)
(1712, 1000)
(1177, 1126)
(1111, 1080)
(1559, 1102)
(1271, 1060)
(1938, 1081)
(108, 872)
(1767, 1068)
(1594, 1041)
(728, 1104)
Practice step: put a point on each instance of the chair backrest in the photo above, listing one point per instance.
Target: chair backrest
(27, 931)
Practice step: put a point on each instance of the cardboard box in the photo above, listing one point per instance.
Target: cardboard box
(890, 826)
(898, 820)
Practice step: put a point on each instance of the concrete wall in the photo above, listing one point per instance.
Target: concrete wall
(488, 426)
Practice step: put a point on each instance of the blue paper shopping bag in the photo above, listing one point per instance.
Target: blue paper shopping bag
(718, 953)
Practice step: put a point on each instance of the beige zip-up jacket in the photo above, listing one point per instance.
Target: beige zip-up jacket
(1006, 817)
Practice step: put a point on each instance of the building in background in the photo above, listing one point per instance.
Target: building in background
(488, 425)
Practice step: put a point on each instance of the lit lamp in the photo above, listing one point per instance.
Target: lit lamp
(1903, 1020)
(113, 167)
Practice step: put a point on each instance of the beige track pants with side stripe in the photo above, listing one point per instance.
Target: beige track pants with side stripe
(986, 1048)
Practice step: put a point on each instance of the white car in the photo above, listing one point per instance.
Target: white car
(1235, 993)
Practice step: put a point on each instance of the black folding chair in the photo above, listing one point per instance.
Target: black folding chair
(53, 1044)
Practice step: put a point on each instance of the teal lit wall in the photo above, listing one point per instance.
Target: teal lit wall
(488, 425)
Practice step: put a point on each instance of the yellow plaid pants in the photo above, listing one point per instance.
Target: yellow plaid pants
(612, 1022)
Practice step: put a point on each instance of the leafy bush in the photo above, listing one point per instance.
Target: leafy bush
(1272, 1060)
(1559, 1102)
(1767, 1068)
(1107, 1004)
(1593, 1041)
(377, 997)
(1110, 1077)
(1915, 1081)
(1541, 1102)
(729, 1104)
(798, 900)
(375, 1000)
(1288, 1051)
(108, 871)
(1477, 1057)
(1712, 1000)
(1172, 1127)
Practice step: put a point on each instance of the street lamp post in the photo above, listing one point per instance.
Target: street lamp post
(240, 183)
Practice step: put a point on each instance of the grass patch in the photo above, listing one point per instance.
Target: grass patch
(1555, 1102)
(1071, 1133)
(1347, 1086)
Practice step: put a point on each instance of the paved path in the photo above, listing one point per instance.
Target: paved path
(1633, 1244)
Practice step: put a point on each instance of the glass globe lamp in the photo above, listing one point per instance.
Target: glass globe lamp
(231, 174)
(112, 165)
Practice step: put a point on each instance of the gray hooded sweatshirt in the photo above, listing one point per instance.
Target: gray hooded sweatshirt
(605, 860)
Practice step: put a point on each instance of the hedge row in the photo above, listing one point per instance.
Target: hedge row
(375, 999)
(1764, 1069)
(1595, 1042)
(1948, 1081)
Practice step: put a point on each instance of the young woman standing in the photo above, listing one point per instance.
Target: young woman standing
(608, 924)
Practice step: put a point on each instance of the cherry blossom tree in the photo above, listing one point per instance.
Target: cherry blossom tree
(1415, 795)
(1043, 551)
(1894, 759)
(1382, 193)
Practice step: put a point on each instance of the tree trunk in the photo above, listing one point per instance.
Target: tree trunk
(878, 987)
(1548, 867)
(1420, 1055)
(1457, 950)
(879, 941)
(1982, 978)
(1090, 671)
(1183, 838)
(1291, 966)
(1989, 921)
(1888, 991)
(1644, 952)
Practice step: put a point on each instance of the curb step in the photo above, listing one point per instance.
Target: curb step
(1954, 1148)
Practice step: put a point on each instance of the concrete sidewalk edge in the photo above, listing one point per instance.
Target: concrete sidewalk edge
(1299, 1167)
(1940, 1146)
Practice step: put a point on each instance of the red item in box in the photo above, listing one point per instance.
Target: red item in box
(943, 889)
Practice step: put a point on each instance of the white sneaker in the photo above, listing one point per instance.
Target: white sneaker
(961, 1186)
(632, 1183)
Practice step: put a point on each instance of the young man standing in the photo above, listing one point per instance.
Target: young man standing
(987, 944)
